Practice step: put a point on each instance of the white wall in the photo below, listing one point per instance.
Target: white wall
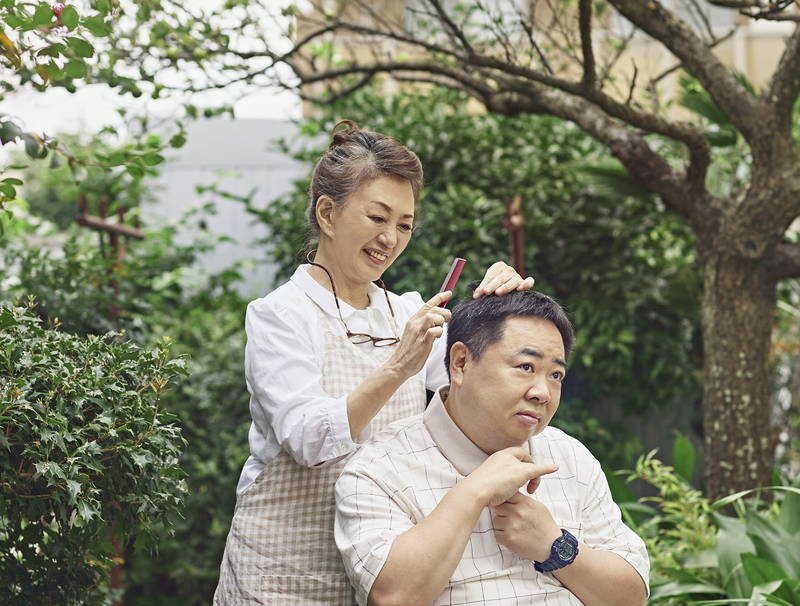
(237, 156)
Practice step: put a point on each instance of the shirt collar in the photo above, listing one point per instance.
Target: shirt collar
(457, 448)
(324, 298)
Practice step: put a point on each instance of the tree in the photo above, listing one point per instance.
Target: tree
(45, 45)
(503, 54)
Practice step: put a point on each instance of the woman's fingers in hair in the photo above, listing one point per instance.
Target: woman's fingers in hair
(527, 283)
(500, 279)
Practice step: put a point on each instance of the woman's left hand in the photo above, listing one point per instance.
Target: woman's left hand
(501, 279)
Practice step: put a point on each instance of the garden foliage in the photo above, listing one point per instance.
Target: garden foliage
(739, 549)
(87, 454)
(160, 291)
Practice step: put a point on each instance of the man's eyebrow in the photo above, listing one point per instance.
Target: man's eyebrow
(537, 354)
(389, 209)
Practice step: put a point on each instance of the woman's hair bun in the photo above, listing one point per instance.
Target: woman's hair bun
(340, 137)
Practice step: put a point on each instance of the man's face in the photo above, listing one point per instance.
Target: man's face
(512, 391)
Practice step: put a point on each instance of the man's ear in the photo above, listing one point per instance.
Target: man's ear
(324, 210)
(459, 357)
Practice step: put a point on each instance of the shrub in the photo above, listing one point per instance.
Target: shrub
(87, 455)
(700, 555)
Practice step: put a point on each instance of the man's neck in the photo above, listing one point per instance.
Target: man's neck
(456, 405)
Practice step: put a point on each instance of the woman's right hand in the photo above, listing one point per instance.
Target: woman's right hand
(421, 330)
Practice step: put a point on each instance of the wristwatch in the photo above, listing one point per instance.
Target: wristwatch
(562, 553)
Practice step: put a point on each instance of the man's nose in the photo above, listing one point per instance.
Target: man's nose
(538, 391)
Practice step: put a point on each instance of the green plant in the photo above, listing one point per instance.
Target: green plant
(160, 292)
(700, 555)
(87, 455)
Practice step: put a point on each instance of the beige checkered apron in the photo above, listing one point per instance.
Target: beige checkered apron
(280, 548)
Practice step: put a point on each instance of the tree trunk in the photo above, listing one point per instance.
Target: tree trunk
(737, 315)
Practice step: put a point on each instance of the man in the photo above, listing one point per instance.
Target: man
(430, 510)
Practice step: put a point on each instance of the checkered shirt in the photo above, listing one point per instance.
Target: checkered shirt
(403, 472)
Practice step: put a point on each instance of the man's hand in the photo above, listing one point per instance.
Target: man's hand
(525, 527)
(501, 475)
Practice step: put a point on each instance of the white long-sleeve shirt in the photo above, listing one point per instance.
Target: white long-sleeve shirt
(284, 358)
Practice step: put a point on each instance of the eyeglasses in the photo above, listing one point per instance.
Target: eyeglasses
(357, 338)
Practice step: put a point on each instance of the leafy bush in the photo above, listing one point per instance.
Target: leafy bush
(87, 454)
(158, 292)
(700, 555)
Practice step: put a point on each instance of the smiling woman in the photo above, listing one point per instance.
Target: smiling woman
(331, 358)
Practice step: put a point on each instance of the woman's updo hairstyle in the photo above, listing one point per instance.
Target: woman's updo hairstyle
(354, 157)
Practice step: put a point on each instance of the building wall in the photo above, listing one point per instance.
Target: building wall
(237, 156)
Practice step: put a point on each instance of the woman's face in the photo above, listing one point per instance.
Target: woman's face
(370, 230)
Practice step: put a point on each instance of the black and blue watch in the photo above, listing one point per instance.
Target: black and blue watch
(562, 553)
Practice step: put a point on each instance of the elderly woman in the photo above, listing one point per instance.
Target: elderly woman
(331, 358)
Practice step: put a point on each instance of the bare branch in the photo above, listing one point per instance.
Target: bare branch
(698, 11)
(784, 88)
(451, 26)
(653, 123)
(528, 28)
(785, 261)
(728, 93)
(585, 23)
(633, 83)
(620, 50)
(677, 66)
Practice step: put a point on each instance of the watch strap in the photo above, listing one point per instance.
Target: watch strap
(563, 552)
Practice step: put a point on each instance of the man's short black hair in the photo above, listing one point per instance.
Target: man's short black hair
(479, 323)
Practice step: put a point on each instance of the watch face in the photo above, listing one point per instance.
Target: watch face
(565, 550)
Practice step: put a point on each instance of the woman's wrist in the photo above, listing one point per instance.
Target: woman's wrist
(394, 372)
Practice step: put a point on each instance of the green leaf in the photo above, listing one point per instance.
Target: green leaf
(683, 455)
(97, 26)
(760, 571)
(81, 47)
(177, 141)
(43, 14)
(74, 489)
(86, 511)
(69, 17)
(34, 146)
(135, 170)
(772, 542)
(731, 543)
(674, 589)
(789, 517)
(152, 159)
(75, 69)
(9, 131)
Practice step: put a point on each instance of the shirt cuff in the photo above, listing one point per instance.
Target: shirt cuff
(341, 444)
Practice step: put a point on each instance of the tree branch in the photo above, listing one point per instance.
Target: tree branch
(629, 147)
(728, 93)
(785, 261)
(699, 151)
(585, 22)
(784, 88)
